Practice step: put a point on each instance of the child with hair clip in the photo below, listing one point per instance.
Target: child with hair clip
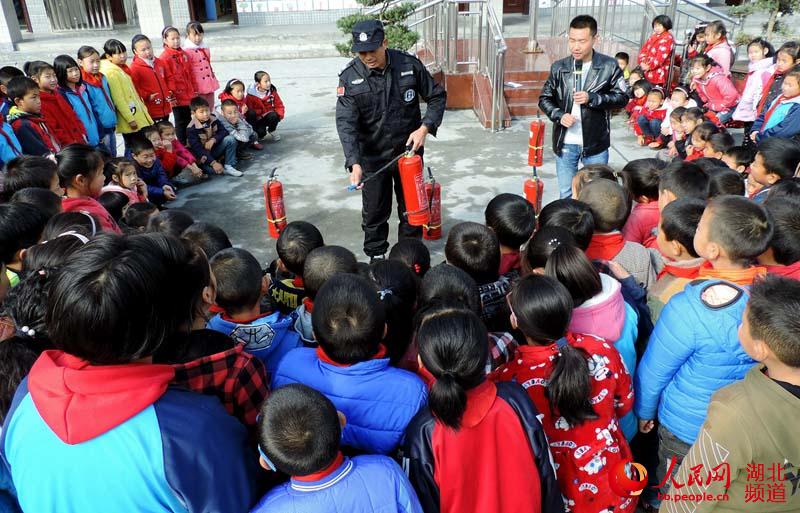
(478, 446)
(414, 254)
(205, 82)
(762, 56)
(178, 78)
(651, 116)
(397, 289)
(512, 218)
(786, 58)
(150, 78)
(776, 159)
(589, 173)
(234, 91)
(640, 178)
(121, 177)
(61, 118)
(80, 172)
(99, 94)
(6, 74)
(714, 87)
(265, 107)
(580, 405)
(71, 87)
(131, 111)
(782, 117)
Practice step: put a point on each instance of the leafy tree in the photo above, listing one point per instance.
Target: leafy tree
(394, 22)
(776, 9)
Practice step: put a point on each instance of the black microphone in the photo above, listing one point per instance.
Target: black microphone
(577, 69)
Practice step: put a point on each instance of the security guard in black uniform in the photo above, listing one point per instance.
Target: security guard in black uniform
(377, 117)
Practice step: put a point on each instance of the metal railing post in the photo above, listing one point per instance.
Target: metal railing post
(533, 29)
(604, 18)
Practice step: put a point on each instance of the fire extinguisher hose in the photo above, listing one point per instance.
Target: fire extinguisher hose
(352, 187)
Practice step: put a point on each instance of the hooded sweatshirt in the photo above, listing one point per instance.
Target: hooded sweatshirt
(61, 119)
(85, 438)
(716, 90)
(263, 102)
(93, 207)
(749, 424)
(757, 74)
(32, 132)
(10, 147)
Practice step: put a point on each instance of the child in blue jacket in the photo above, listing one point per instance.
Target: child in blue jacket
(782, 117)
(299, 434)
(240, 286)
(150, 170)
(71, 87)
(351, 368)
(99, 97)
(9, 144)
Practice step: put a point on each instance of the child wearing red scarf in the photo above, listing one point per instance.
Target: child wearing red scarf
(99, 97)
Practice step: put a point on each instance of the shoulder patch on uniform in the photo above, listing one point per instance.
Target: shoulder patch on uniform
(340, 91)
(719, 295)
(406, 73)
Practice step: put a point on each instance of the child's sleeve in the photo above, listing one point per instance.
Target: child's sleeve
(787, 128)
(155, 192)
(140, 84)
(197, 148)
(279, 107)
(729, 95)
(623, 391)
(185, 157)
(758, 122)
(118, 96)
(221, 133)
(671, 344)
(30, 141)
(418, 463)
(405, 496)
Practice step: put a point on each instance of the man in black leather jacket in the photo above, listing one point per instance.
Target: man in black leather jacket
(578, 97)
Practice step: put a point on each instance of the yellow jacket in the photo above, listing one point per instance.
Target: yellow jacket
(129, 105)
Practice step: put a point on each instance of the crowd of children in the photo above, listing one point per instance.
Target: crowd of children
(47, 107)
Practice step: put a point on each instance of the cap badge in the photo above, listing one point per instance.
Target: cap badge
(363, 37)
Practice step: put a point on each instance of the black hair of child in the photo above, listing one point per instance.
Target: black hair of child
(209, 237)
(9, 72)
(137, 217)
(679, 220)
(724, 180)
(644, 85)
(348, 319)
(609, 203)
(113, 47)
(28, 171)
(114, 202)
(139, 143)
(543, 309)
(788, 188)
(623, 56)
(61, 64)
(705, 130)
(171, 222)
(781, 157)
(86, 51)
(108, 304)
(138, 38)
(34, 69)
(77, 159)
(453, 348)
(299, 430)
(785, 217)
(640, 177)
(773, 307)
(571, 214)
(684, 180)
(82, 223)
(740, 226)
(294, 244)
(198, 102)
(474, 248)
(239, 279)
(397, 289)
(324, 263)
(512, 218)
(742, 155)
(21, 226)
(194, 27)
(446, 284)
(663, 20)
(677, 113)
(16, 360)
(228, 103)
(721, 142)
(19, 87)
(47, 201)
(413, 253)
(573, 269)
(542, 245)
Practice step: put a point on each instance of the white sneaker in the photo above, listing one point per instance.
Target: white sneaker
(275, 137)
(232, 171)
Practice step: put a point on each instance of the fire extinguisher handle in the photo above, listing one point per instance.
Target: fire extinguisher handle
(430, 173)
(272, 173)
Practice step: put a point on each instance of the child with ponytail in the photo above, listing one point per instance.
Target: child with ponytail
(581, 409)
(478, 445)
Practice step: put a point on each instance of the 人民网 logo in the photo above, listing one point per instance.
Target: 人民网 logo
(628, 478)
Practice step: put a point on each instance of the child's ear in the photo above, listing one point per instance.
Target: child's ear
(20, 256)
(265, 283)
(18, 102)
(342, 418)
(772, 178)
(676, 248)
(209, 295)
(713, 250)
(419, 362)
(281, 265)
(263, 464)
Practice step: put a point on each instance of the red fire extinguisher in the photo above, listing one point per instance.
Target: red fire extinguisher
(433, 191)
(410, 167)
(534, 187)
(276, 212)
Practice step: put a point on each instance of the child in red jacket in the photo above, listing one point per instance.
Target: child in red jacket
(639, 91)
(648, 123)
(187, 170)
(56, 110)
(234, 91)
(149, 77)
(179, 79)
(80, 173)
(265, 107)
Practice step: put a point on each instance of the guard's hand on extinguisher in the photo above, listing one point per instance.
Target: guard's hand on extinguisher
(417, 138)
(355, 176)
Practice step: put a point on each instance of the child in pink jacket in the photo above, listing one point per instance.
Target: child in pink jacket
(190, 173)
(205, 81)
(714, 87)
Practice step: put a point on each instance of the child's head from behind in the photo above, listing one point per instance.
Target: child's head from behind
(739, 158)
(80, 170)
(474, 248)
(572, 215)
(20, 227)
(446, 284)
(776, 158)
(170, 222)
(640, 178)
(200, 109)
(24, 94)
(718, 144)
(6, 74)
(299, 431)
(770, 324)
(452, 347)
(115, 203)
(294, 244)
(235, 88)
(45, 200)
(609, 203)
(677, 228)
(82, 223)
(348, 319)
(138, 215)
(397, 290)
(209, 237)
(28, 171)
(414, 254)
(542, 245)
(724, 181)
(511, 218)
(43, 74)
(784, 248)
(681, 180)
(733, 228)
(323, 263)
(573, 269)
(240, 282)
(591, 172)
(230, 111)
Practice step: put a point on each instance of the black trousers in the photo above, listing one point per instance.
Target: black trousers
(265, 125)
(183, 116)
(376, 209)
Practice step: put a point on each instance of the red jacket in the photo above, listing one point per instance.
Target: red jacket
(717, 91)
(240, 104)
(169, 159)
(93, 207)
(262, 103)
(656, 54)
(179, 75)
(150, 83)
(61, 119)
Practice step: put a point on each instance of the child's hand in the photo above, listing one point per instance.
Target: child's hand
(617, 270)
(217, 167)
(645, 426)
(133, 124)
(196, 171)
(244, 109)
(664, 129)
(753, 136)
(210, 143)
(671, 145)
(167, 145)
(169, 192)
(153, 96)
